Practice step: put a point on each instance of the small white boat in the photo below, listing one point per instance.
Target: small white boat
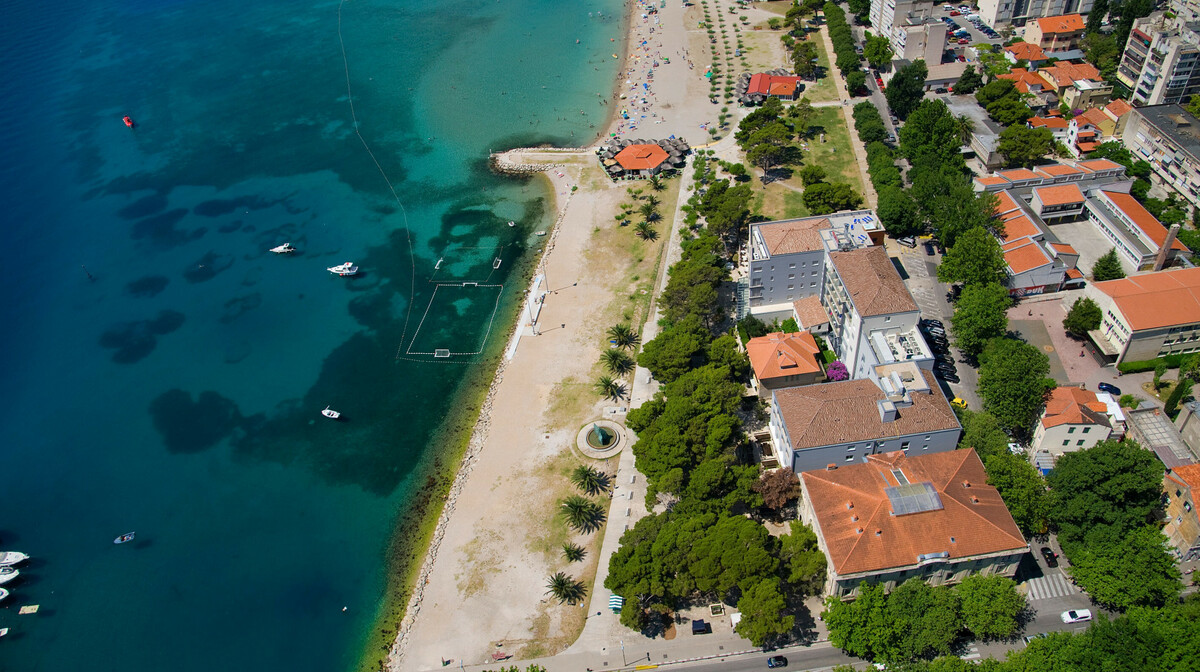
(9, 558)
(8, 574)
(330, 413)
(511, 223)
(3, 594)
(124, 538)
(540, 233)
(345, 269)
(286, 248)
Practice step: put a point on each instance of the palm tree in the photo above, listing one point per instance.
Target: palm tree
(623, 336)
(649, 212)
(590, 480)
(656, 183)
(565, 589)
(573, 552)
(609, 388)
(583, 515)
(653, 200)
(964, 127)
(645, 231)
(618, 362)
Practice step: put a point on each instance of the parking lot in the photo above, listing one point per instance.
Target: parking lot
(973, 33)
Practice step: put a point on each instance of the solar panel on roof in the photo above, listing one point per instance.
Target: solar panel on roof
(913, 498)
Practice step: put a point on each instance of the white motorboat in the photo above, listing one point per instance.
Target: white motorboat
(125, 538)
(345, 269)
(330, 413)
(10, 558)
(8, 574)
(540, 233)
(511, 223)
(3, 594)
(286, 248)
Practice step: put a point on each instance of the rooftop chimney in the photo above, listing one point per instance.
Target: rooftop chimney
(1161, 259)
(887, 410)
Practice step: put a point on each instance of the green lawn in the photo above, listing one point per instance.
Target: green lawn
(834, 154)
(823, 89)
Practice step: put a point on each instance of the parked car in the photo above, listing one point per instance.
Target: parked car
(907, 241)
(776, 661)
(959, 403)
(928, 248)
(1109, 388)
(1076, 616)
(947, 376)
(1049, 556)
(955, 12)
(940, 90)
(1036, 635)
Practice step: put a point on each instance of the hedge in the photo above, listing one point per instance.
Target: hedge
(1173, 362)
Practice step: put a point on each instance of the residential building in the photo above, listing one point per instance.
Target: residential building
(1055, 33)
(1064, 75)
(1180, 486)
(784, 360)
(1118, 111)
(1148, 316)
(1138, 236)
(766, 84)
(1188, 424)
(1161, 61)
(911, 27)
(998, 13)
(896, 516)
(814, 426)
(1083, 94)
(1057, 126)
(1025, 51)
(1151, 428)
(1168, 137)
(1085, 132)
(1074, 419)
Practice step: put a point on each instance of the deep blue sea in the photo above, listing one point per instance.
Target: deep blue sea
(161, 372)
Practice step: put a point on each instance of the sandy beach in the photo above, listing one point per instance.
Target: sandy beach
(482, 588)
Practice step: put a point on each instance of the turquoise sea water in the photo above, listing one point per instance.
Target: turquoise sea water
(161, 372)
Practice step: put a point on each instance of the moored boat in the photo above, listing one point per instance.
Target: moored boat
(10, 558)
(286, 248)
(124, 538)
(3, 594)
(128, 121)
(8, 574)
(345, 269)
(330, 413)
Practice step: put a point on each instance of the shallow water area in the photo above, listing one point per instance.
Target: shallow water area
(162, 372)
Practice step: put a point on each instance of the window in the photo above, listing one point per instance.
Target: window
(791, 276)
(904, 446)
(791, 287)
(1071, 430)
(1066, 443)
(791, 265)
(1079, 442)
(850, 449)
(849, 458)
(1187, 506)
(812, 284)
(1086, 430)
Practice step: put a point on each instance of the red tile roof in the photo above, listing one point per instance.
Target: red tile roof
(1069, 23)
(1156, 300)
(988, 181)
(1095, 116)
(777, 355)
(1048, 122)
(1074, 406)
(1024, 80)
(1096, 165)
(1074, 273)
(1026, 51)
(1118, 108)
(1025, 255)
(1018, 174)
(1142, 219)
(1057, 170)
(790, 237)
(1061, 194)
(1187, 475)
(1018, 227)
(862, 534)
(641, 157)
(773, 85)
(1065, 73)
(810, 312)
(1063, 248)
(872, 281)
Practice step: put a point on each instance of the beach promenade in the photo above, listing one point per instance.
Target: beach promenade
(482, 590)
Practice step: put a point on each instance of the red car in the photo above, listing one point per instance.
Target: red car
(955, 12)
(964, 41)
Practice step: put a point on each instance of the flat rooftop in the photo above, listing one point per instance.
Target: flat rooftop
(1175, 123)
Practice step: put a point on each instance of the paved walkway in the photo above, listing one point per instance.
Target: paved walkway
(860, 150)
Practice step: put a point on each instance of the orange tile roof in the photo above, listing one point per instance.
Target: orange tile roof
(1059, 194)
(872, 281)
(1064, 248)
(1074, 273)
(1019, 227)
(988, 181)
(641, 157)
(1096, 165)
(846, 412)
(1142, 219)
(1065, 73)
(1024, 80)
(1095, 116)
(1187, 475)
(1087, 145)
(773, 85)
(1005, 202)
(1069, 23)
(1026, 51)
(1025, 255)
(1048, 122)
(1074, 406)
(810, 312)
(790, 237)
(1018, 174)
(1156, 300)
(777, 355)
(1118, 108)
(1057, 170)
(861, 533)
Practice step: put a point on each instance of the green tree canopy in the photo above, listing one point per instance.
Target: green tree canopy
(1023, 490)
(1107, 267)
(907, 88)
(898, 212)
(1135, 571)
(811, 175)
(991, 606)
(1013, 382)
(878, 50)
(676, 350)
(1083, 317)
(982, 431)
(1023, 146)
(975, 259)
(981, 315)
(763, 610)
(924, 621)
(824, 197)
(803, 560)
(968, 81)
(1104, 492)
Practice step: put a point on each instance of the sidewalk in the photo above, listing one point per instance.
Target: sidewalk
(860, 150)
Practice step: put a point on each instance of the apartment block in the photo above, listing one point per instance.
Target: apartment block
(1161, 61)
(998, 13)
(1168, 137)
(1180, 486)
(911, 27)
(1148, 316)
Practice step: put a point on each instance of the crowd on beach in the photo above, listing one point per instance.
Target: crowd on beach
(637, 99)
